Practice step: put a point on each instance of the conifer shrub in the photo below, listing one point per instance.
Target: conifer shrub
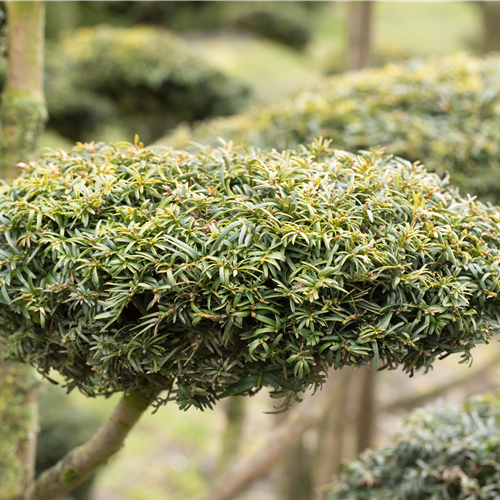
(231, 270)
(144, 79)
(440, 454)
(272, 24)
(444, 113)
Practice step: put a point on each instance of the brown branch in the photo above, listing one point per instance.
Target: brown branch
(81, 462)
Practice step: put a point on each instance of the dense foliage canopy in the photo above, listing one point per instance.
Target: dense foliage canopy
(438, 454)
(444, 112)
(228, 271)
(143, 79)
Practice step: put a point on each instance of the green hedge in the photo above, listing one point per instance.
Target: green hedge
(272, 24)
(444, 113)
(439, 454)
(228, 271)
(144, 79)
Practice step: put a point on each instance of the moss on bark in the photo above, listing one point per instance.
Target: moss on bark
(22, 119)
(18, 425)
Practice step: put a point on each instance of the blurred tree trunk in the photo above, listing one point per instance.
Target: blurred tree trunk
(18, 428)
(247, 470)
(295, 473)
(359, 34)
(23, 111)
(491, 26)
(235, 419)
(22, 116)
(366, 410)
(333, 429)
(296, 482)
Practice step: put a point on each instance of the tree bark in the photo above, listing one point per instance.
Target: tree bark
(491, 26)
(18, 428)
(235, 419)
(23, 111)
(22, 114)
(82, 461)
(359, 35)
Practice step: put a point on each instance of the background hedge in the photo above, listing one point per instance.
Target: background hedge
(444, 113)
(438, 454)
(145, 79)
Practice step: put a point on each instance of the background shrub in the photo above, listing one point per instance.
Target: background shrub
(275, 26)
(444, 112)
(230, 271)
(439, 453)
(143, 80)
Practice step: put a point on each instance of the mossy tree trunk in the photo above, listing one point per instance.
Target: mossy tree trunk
(23, 111)
(359, 34)
(491, 26)
(22, 116)
(18, 428)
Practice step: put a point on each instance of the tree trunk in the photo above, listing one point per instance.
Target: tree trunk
(491, 26)
(235, 419)
(22, 114)
(296, 481)
(18, 428)
(281, 440)
(23, 111)
(333, 429)
(366, 412)
(359, 35)
(295, 472)
(81, 462)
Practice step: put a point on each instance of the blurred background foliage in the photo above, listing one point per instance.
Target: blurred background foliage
(230, 55)
(443, 112)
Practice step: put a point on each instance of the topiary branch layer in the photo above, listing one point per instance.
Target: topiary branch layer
(124, 267)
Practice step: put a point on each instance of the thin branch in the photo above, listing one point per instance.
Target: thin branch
(81, 462)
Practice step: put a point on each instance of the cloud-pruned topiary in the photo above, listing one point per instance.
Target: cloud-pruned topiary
(146, 79)
(444, 113)
(227, 271)
(438, 453)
